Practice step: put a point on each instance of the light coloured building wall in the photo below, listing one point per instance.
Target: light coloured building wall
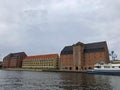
(41, 63)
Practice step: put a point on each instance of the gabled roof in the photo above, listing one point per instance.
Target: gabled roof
(14, 55)
(67, 50)
(42, 56)
(90, 47)
(95, 45)
(17, 54)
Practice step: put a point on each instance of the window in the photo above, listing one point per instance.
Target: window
(113, 66)
(97, 66)
(66, 68)
(76, 68)
(89, 68)
(70, 68)
(106, 66)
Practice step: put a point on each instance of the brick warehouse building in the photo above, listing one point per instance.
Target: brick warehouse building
(82, 56)
(43, 62)
(14, 60)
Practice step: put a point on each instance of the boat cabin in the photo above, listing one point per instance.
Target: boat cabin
(109, 66)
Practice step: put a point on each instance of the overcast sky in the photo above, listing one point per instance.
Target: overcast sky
(46, 26)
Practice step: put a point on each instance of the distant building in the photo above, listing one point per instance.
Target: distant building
(14, 60)
(82, 56)
(49, 61)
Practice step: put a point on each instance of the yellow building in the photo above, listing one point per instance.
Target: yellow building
(43, 62)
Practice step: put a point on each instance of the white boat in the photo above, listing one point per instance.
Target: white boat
(102, 68)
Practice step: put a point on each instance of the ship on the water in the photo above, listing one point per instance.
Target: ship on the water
(103, 68)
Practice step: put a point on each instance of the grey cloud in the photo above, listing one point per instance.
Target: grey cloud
(46, 26)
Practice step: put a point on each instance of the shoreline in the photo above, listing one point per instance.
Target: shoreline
(39, 70)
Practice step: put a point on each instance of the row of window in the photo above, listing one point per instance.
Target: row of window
(108, 66)
(41, 59)
(38, 61)
(38, 65)
(31, 67)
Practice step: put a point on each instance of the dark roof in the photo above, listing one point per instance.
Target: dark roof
(95, 45)
(14, 55)
(90, 47)
(18, 53)
(7, 57)
(67, 50)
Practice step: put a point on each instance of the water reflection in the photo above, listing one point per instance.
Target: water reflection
(24, 80)
(85, 82)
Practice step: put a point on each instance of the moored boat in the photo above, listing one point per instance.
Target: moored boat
(102, 68)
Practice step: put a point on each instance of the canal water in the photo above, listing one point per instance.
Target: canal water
(26, 80)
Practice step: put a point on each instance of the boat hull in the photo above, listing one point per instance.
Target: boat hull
(105, 72)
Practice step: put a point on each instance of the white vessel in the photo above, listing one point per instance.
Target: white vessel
(102, 68)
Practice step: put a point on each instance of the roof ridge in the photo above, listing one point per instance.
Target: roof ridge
(96, 42)
(42, 56)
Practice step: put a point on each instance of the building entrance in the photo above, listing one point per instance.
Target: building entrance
(76, 68)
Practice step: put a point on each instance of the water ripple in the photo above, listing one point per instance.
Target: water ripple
(24, 80)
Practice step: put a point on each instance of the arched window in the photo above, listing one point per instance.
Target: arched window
(89, 68)
(76, 68)
(70, 68)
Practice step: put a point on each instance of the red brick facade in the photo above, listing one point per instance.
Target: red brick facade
(83, 56)
(14, 60)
